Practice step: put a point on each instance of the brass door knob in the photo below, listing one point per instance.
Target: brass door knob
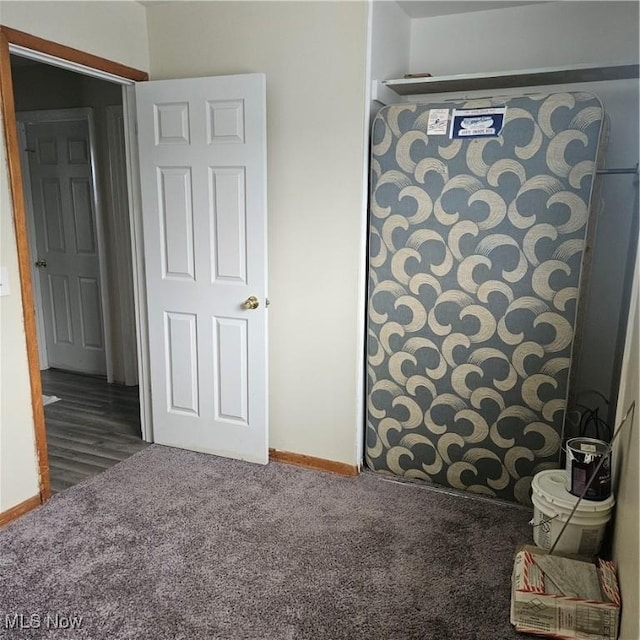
(251, 303)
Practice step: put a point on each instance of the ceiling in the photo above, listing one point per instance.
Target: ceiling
(429, 9)
(425, 8)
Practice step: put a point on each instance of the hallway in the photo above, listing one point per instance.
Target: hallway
(92, 427)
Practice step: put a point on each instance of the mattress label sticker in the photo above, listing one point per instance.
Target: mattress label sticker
(477, 123)
(437, 122)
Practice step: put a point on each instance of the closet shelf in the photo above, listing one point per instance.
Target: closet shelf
(510, 79)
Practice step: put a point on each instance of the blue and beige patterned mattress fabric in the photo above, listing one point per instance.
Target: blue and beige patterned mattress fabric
(477, 245)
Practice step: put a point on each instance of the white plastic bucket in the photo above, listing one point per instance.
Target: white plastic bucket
(552, 505)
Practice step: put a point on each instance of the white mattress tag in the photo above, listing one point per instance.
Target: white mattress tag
(437, 122)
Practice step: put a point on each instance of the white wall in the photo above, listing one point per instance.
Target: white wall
(626, 537)
(314, 57)
(119, 35)
(390, 34)
(18, 463)
(391, 29)
(550, 34)
(115, 30)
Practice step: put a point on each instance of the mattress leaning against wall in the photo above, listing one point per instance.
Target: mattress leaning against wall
(476, 256)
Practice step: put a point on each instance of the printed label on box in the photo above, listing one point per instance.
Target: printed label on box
(477, 123)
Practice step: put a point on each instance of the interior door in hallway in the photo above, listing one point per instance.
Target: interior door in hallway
(202, 145)
(67, 254)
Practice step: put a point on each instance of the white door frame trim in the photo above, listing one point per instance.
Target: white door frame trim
(69, 115)
(54, 61)
(137, 258)
(135, 214)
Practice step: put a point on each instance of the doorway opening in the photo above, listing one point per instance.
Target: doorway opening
(73, 160)
(215, 375)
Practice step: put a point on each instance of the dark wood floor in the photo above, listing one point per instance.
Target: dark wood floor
(94, 426)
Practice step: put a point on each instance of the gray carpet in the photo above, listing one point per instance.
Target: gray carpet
(171, 544)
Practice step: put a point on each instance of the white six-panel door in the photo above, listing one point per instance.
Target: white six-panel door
(203, 177)
(66, 252)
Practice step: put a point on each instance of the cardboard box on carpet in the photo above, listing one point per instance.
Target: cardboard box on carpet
(558, 596)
